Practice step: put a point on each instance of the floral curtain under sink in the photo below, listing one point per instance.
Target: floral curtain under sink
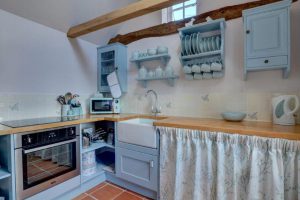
(202, 165)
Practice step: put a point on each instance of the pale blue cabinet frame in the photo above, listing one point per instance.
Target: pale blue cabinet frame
(267, 38)
(111, 58)
(137, 167)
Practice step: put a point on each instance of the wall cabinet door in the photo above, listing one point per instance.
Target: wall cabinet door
(112, 58)
(138, 168)
(266, 34)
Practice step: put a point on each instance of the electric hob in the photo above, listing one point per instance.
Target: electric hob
(37, 121)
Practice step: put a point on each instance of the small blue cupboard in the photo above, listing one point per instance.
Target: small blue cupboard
(267, 38)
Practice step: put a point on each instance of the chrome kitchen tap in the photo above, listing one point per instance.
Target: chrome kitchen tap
(155, 108)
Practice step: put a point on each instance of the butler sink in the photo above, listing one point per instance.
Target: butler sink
(138, 131)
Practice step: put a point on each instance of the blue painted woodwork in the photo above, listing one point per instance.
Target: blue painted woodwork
(7, 174)
(164, 59)
(138, 164)
(267, 38)
(204, 31)
(111, 58)
(137, 167)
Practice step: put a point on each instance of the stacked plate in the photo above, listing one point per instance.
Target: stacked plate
(196, 44)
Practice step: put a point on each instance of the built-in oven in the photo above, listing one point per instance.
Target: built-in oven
(45, 158)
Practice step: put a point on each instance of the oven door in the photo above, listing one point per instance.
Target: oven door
(41, 168)
(101, 106)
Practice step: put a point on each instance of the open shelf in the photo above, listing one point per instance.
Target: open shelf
(150, 58)
(170, 80)
(95, 146)
(200, 55)
(4, 174)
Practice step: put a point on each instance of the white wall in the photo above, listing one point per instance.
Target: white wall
(37, 63)
(230, 93)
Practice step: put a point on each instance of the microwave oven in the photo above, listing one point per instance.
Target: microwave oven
(104, 106)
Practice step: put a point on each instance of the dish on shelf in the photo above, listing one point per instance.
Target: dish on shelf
(213, 43)
(190, 45)
(182, 46)
(151, 52)
(201, 45)
(234, 116)
(205, 45)
(197, 43)
(218, 42)
(194, 43)
(186, 45)
(162, 50)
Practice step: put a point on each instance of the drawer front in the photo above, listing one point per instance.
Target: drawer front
(268, 62)
(138, 168)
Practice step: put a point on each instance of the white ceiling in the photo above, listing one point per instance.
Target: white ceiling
(62, 14)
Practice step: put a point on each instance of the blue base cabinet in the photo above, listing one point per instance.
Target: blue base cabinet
(267, 38)
(137, 167)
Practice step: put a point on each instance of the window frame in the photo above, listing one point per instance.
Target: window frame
(168, 12)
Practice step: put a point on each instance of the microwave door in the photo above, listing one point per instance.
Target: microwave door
(102, 106)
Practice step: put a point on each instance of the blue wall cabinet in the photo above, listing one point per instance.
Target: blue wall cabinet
(111, 58)
(137, 167)
(267, 38)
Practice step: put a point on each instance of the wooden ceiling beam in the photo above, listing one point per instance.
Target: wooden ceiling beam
(228, 12)
(131, 11)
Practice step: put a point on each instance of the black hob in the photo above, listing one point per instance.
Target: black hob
(37, 121)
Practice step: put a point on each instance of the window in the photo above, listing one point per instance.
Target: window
(180, 11)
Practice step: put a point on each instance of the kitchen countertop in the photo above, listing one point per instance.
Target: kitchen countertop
(4, 130)
(263, 129)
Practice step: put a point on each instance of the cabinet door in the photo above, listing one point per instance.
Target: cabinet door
(106, 65)
(138, 168)
(266, 34)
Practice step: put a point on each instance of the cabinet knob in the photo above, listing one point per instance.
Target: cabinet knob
(266, 61)
(248, 31)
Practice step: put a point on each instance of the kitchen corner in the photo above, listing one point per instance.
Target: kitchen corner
(139, 100)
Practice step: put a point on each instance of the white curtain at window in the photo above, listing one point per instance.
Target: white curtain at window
(202, 165)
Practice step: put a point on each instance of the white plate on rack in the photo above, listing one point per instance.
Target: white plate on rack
(185, 45)
(182, 46)
(218, 42)
(198, 43)
(208, 44)
(205, 46)
(190, 45)
(195, 50)
(213, 43)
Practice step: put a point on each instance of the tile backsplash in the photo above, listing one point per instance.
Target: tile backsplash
(257, 105)
(24, 106)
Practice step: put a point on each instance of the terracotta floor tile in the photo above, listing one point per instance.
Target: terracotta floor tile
(96, 188)
(127, 196)
(80, 197)
(107, 192)
(136, 194)
(88, 198)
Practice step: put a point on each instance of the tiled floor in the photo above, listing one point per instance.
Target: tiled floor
(109, 191)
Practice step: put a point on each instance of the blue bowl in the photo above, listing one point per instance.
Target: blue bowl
(234, 116)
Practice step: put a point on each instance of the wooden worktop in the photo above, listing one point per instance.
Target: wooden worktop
(263, 129)
(4, 130)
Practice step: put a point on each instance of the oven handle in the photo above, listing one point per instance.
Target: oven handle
(49, 146)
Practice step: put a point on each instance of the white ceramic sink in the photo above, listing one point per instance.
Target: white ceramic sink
(138, 131)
